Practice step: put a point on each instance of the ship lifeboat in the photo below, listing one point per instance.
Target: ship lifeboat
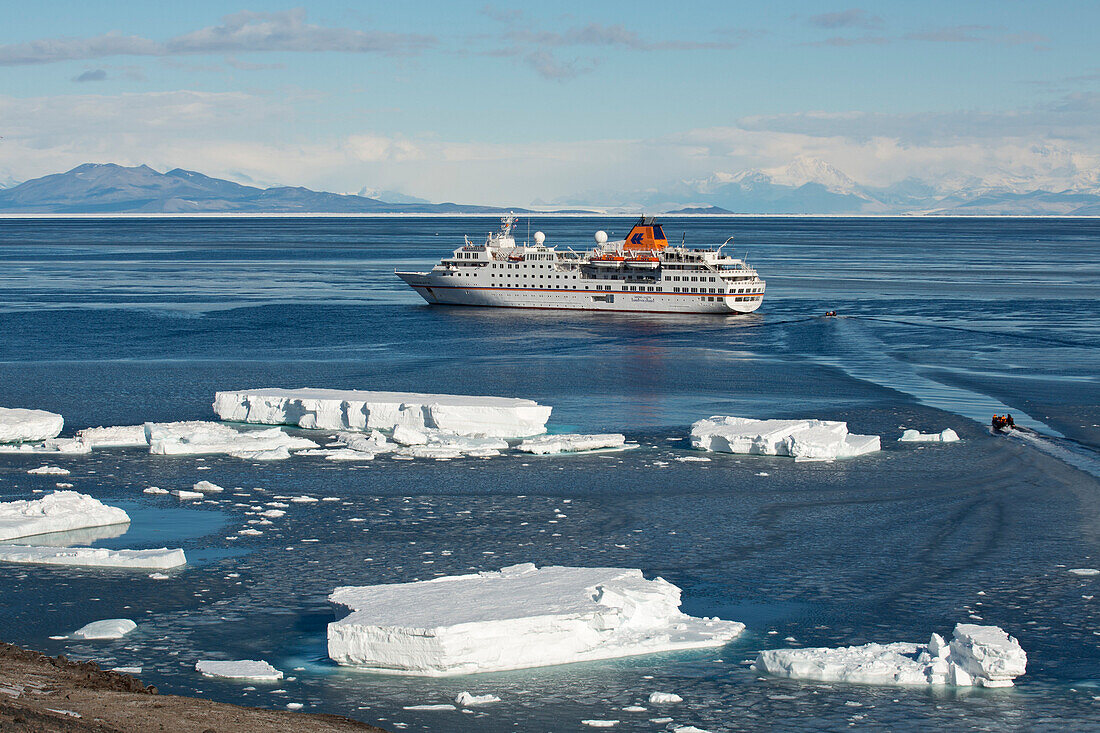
(643, 262)
(515, 258)
(607, 260)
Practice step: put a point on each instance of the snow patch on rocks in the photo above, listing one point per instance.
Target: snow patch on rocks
(514, 618)
(806, 439)
(243, 669)
(915, 436)
(332, 409)
(98, 557)
(60, 511)
(985, 656)
(18, 425)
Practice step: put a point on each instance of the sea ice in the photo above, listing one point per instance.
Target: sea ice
(915, 436)
(99, 557)
(49, 471)
(1084, 571)
(332, 409)
(600, 723)
(403, 435)
(52, 446)
(243, 669)
(469, 700)
(117, 436)
(977, 655)
(111, 628)
(207, 487)
(198, 437)
(807, 439)
(664, 698)
(154, 490)
(515, 618)
(572, 443)
(279, 453)
(26, 426)
(185, 495)
(60, 511)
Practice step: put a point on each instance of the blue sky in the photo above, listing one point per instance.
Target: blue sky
(512, 102)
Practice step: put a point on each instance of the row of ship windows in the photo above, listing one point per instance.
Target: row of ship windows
(625, 287)
(675, 278)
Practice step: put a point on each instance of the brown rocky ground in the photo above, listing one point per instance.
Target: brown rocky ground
(40, 693)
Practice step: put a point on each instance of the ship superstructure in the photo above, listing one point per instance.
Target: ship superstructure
(639, 273)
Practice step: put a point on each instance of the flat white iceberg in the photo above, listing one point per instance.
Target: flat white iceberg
(49, 471)
(116, 436)
(111, 628)
(331, 409)
(915, 436)
(572, 443)
(207, 487)
(515, 618)
(806, 439)
(199, 437)
(977, 655)
(243, 669)
(98, 557)
(27, 426)
(60, 511)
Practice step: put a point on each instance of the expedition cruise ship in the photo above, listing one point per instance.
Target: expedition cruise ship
(640, 273)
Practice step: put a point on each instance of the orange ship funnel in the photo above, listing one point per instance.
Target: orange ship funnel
(646, 236)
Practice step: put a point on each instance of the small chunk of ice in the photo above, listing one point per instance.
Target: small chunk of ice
(59, 511)
(469, 700)
(254, 670)
(111, 628)
(98, 557)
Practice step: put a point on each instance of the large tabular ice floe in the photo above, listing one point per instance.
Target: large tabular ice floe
(60, 511)
(99, 557)
(26, 426)
(807, 439)
(515, 618)
(977, 655)
(331, 409)
(574, 443)
(915, 436)
(243, 669)
(198, 437)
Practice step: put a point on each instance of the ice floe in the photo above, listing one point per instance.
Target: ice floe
(977, 655)
(52, 446)
(116, 436)
(807, 439)
(154, 490)
(185, 495)
(207, 487)
(470, 700)
(331, 409)
(664, 698)
(18, 425)
(1084, 571)
(915, 436)
(49, 471)
(243, 669)
(111, 628)
(197, 437)
(574, 443)
(159, 559)
(59, 511)
(515, 618)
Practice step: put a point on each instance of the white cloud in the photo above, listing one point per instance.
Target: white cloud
(1053, 146)
(243, 32)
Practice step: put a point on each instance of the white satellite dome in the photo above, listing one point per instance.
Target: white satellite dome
(539, 237)
(601, 237)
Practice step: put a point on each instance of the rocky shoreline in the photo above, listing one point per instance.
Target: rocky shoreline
(39, 693)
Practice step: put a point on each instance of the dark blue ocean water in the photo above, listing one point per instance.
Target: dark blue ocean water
(943, 322)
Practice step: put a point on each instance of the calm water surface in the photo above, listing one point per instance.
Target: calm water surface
(943, 322)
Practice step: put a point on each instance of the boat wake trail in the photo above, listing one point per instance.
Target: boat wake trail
(853, 348)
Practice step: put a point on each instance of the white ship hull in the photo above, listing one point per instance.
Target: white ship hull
(640, 274)
(433, 291)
